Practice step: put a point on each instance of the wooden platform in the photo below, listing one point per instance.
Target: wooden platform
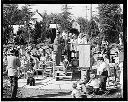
(60, 74)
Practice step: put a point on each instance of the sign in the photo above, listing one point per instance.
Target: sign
(84, 55)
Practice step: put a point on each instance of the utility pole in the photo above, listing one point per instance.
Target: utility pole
(91, 11)
(86, 10)
(66, 7)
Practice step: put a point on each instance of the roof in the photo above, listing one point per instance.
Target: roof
(37, 16)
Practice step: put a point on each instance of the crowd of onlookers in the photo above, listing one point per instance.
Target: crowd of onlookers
(32, 57)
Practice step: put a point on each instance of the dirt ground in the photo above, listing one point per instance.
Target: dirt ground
(52, 93)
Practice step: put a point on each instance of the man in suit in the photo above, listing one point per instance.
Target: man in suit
(13, 63)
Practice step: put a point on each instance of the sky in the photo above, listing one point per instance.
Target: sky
(78, 10)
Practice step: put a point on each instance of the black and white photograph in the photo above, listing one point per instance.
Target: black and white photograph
(62, 51)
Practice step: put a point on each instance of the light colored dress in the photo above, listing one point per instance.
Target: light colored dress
(76, 93)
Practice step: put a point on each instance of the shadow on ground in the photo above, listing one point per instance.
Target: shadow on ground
(111, 93)
(52, 95)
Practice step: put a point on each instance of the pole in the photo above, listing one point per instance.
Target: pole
(91, 11)
(29, 35)
(86, 11)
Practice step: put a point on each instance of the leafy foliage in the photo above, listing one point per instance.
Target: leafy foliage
(14, 16)
(10, 17)
(110, 20)
(20, 38)
(93, 29)
(11, 14)
(83, 24)
(65, 18)
(36, 33)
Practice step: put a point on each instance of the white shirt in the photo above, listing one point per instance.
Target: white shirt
(76, 93)
(117, 60)
(74, 44)
(13, 64)
(80, 41)
(101, 67)
(94, 83)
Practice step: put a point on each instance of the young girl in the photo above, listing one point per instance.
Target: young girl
(66, 63)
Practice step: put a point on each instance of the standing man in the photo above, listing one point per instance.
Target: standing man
(103, 72)
(57, 48)
(13, 63)
(116, 68)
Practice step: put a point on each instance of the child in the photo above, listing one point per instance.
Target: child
(75, 93)
(66, 63)
(93, 85)
(30, 80)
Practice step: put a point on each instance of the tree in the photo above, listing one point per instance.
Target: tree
(65, 18)
(37, 33)
(26, 14)
(110, 21)
(44, 26)
(83, 24)
(93, 29)
(19, 39)
(11, 15)
(14, 16)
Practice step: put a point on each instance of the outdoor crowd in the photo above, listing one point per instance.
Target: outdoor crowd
(100, 75)
(22, 59)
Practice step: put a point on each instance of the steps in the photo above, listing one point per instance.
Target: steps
(61, 75)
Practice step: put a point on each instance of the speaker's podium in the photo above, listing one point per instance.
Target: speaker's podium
(84, 59)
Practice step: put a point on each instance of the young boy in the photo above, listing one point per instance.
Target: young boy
(30, 80)
(75, 92)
